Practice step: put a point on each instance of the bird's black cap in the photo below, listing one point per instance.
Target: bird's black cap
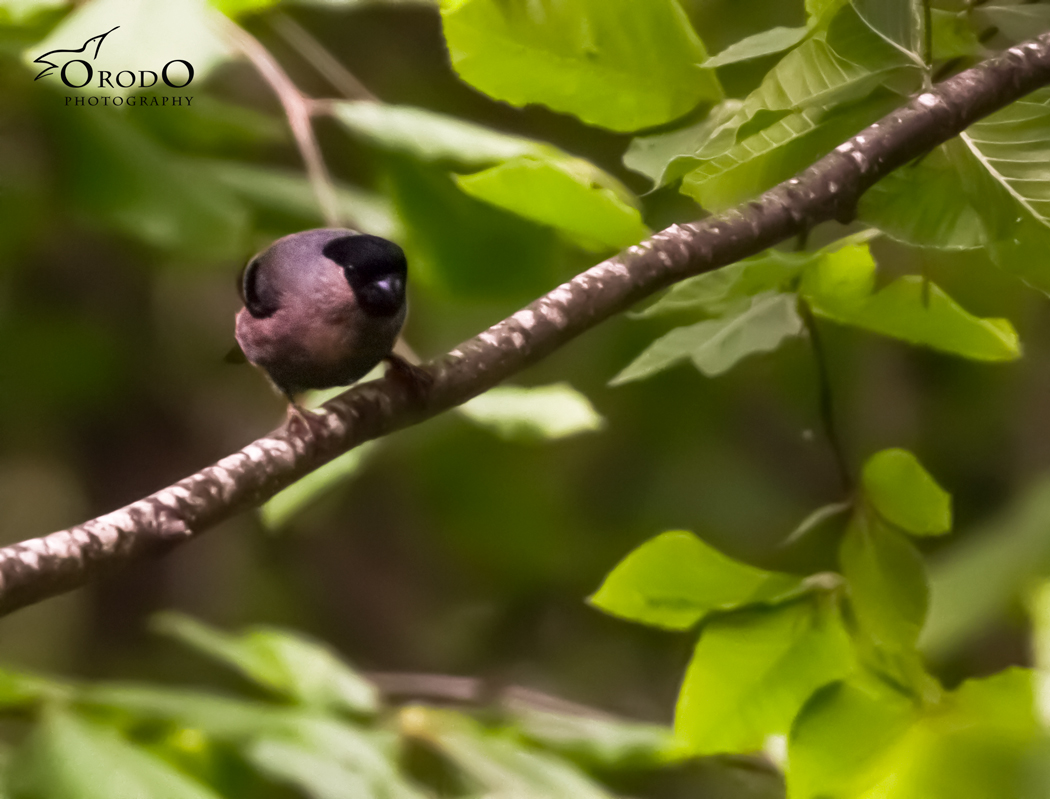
(376, 270)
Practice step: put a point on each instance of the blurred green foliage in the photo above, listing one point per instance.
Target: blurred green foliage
(511, 145)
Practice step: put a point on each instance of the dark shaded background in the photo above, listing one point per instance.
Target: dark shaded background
(453, 551)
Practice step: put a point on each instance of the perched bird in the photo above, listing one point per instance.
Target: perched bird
(322, 308)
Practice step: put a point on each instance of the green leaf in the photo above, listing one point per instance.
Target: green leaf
(925, 204)
(665, 157)
(768, 42)
(899, 22)
(19, 12)
(597, 740)
(525, 177)
(148, 37)
(905, 494)
(575, 198)
(784, 148)
(432, 137)
(720, 290)
(754, 669)
(320, 776)
(532, 414)
(246, 725)
(69, 757)
(817, 10)
(20, 690)
(617, 64)
(236, 8)
(1018, 22)
(466, 247)
(843, 64)
(285, 505)
(499, 766)
(675, 580)
(716, 345)
(1001, 167)
(910, 309)
(887, 582)
(953, 35)
(860, 739)
(289, 192)
(980, 578)
(844, 738)
(283, 662)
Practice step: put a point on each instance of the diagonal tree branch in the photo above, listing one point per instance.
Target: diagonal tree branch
(42, 567)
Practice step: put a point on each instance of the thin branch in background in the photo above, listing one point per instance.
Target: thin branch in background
(830, 189)
(312, 51)
(825, 396)
(297, 110)
(927, 30)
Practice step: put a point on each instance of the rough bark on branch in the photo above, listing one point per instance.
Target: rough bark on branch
(42, 567)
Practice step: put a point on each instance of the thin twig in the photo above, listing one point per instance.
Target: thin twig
(342, 79)
(297, 110)
(825, 395)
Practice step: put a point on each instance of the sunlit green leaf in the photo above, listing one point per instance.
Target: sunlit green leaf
(844, 736)
(754, 669)
(286, 504)
(887, 582)
(767, 42)
(716, 345)
(905, 494)
(910, 308)
(236, 8)
(69, 757)
(532, 414)
(676, 579)
(572, 196)
(718, 291)
(976, 743)
(614, 63)
(281, 661)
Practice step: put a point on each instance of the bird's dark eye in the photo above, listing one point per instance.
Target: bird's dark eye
(254, 292)
(376, 270)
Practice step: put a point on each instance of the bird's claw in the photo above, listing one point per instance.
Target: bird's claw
(417, 380)
(302, 422)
